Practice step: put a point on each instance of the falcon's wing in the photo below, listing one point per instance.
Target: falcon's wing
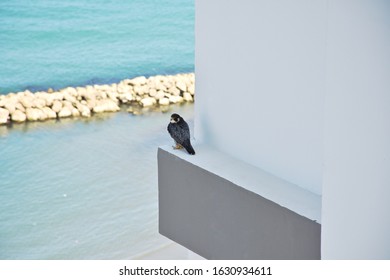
(179, 133)
(185, 131)
(174, 132)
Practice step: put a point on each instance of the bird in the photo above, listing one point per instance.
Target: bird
(180, 132)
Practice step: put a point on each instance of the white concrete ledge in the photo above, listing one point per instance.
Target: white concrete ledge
(288, 195)
(223, 208)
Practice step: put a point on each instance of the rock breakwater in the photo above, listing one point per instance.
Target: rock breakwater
(155, 92)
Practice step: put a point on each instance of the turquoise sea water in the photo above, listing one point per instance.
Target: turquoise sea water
(46, 43)
(86, 189)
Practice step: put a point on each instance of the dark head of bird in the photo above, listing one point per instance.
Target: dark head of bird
(175, 118)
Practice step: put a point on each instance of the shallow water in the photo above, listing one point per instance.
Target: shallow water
(82, 189)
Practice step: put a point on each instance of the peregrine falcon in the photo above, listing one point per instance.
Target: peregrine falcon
(180, 132)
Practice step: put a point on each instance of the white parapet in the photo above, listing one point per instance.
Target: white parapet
(222, 208)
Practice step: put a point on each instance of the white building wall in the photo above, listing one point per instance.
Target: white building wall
(302, 89)
(356, 189)
(260, 81)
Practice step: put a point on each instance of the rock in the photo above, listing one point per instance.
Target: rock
(72, 91)
(158, 78)
(125, 82)
(57, 106)
(39, 103)
(163, 101)
(146, 89)
(91, 103)
(84, 110)
(28, 93)
(139, 90)
(101, 95)
(81, 91)
(98, 88)
(126, 97)
(164, 108)
(148, 101)
(70, 98)
(129, 89)
(161, 86)
(18, 116)
(20, 107)
(86, 113)
(12, 97)
(68, 104)
(42, 115)
(138, 81)
(160, 94)
(114, 87)
(187, 96)
(135, 110)
(106, 88)
(151, 83)
(180, 84)
(50, 90)
(113, 95)
(75, 112)
(49, 100)
(50, 114)
(65, 112)
(175, 99)
(137, 113)
(4, 114)
(57, 96)
(174, 91)
(88, 93)
(187, 81)
(34, 114)
(10, 106)
(152, 92)
(26, 101)
(41, 94)
(95, 88)
(168, 81)
(121, 89)
(191, 76)
(106, 105)
(191, 89)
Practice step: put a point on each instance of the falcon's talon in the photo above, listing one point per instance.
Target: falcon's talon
(177, 147)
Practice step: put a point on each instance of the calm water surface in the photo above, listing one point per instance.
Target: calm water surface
(82, 189)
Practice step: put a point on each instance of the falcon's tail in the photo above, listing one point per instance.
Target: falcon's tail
(188, 147)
